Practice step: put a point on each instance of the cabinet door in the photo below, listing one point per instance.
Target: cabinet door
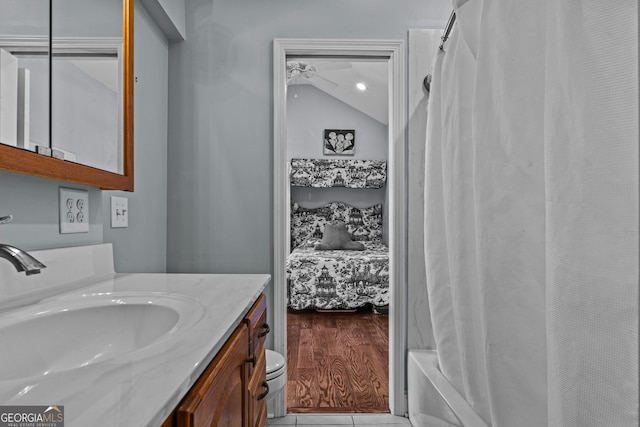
(219, 396)
(257, 391)
(256, 319)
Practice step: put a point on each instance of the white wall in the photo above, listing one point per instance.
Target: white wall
(78, 94)
(310, 111)
(423, 45)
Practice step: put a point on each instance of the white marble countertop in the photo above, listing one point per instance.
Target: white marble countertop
(144, 392)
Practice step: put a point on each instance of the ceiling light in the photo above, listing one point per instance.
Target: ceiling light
(361, 86)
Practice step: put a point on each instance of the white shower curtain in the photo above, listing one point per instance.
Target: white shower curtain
(531, 227)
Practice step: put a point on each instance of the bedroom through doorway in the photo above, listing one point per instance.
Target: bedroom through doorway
(338, 265)
(337, 159)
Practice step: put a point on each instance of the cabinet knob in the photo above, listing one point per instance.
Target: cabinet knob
(266, 391)
(266, 330)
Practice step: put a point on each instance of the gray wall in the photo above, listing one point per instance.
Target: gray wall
(141, 247)
(169, 16)
(220, 174)
(33, 202)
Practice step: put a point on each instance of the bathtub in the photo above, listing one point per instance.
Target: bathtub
(433, 402)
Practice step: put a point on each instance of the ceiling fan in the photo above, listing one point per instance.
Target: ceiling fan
(298, 70)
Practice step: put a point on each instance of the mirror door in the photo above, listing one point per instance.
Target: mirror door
(86, 88)
(66, 107)
(24, 74)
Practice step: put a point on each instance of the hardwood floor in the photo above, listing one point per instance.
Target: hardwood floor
(337, 362)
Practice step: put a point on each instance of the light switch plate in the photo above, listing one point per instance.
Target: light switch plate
(74, 210)
(119, 212)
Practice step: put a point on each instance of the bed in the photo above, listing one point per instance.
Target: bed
(337, 279)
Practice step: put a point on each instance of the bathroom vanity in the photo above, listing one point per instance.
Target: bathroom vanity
(231, 390)
(132, 349)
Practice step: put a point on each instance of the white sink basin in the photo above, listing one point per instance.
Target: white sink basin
(75, 332)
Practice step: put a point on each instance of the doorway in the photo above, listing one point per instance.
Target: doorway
(337, 326)
(394, 52)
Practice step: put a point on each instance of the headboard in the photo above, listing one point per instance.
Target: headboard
(362, 223)
(350, 173)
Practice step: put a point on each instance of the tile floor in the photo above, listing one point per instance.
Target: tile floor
(373, 420)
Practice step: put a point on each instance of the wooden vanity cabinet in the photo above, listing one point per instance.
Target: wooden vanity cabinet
(218, 398)
(231, 390)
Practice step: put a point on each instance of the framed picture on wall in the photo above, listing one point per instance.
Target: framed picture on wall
(339, 142)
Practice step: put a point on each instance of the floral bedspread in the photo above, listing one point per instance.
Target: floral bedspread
(363, 224)
(338, 279)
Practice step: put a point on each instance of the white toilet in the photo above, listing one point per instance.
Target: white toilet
(276, 377)
(276, 372)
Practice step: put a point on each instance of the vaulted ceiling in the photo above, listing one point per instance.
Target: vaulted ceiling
(339, 77)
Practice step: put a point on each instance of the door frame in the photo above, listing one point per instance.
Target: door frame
(395, 51)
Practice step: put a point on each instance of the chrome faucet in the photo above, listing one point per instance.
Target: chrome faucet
(21, 260)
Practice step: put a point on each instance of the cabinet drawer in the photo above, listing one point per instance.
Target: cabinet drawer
(231, 390)
(256, 319)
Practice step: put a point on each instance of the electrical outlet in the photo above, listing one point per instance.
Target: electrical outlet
(119, 212)
(74, 210)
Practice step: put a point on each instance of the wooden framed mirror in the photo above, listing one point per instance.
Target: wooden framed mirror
(59, 147)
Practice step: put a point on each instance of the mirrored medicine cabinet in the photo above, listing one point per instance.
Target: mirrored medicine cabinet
(66, 90)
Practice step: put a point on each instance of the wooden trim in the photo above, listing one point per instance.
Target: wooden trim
(129, 78)
(17, 160)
